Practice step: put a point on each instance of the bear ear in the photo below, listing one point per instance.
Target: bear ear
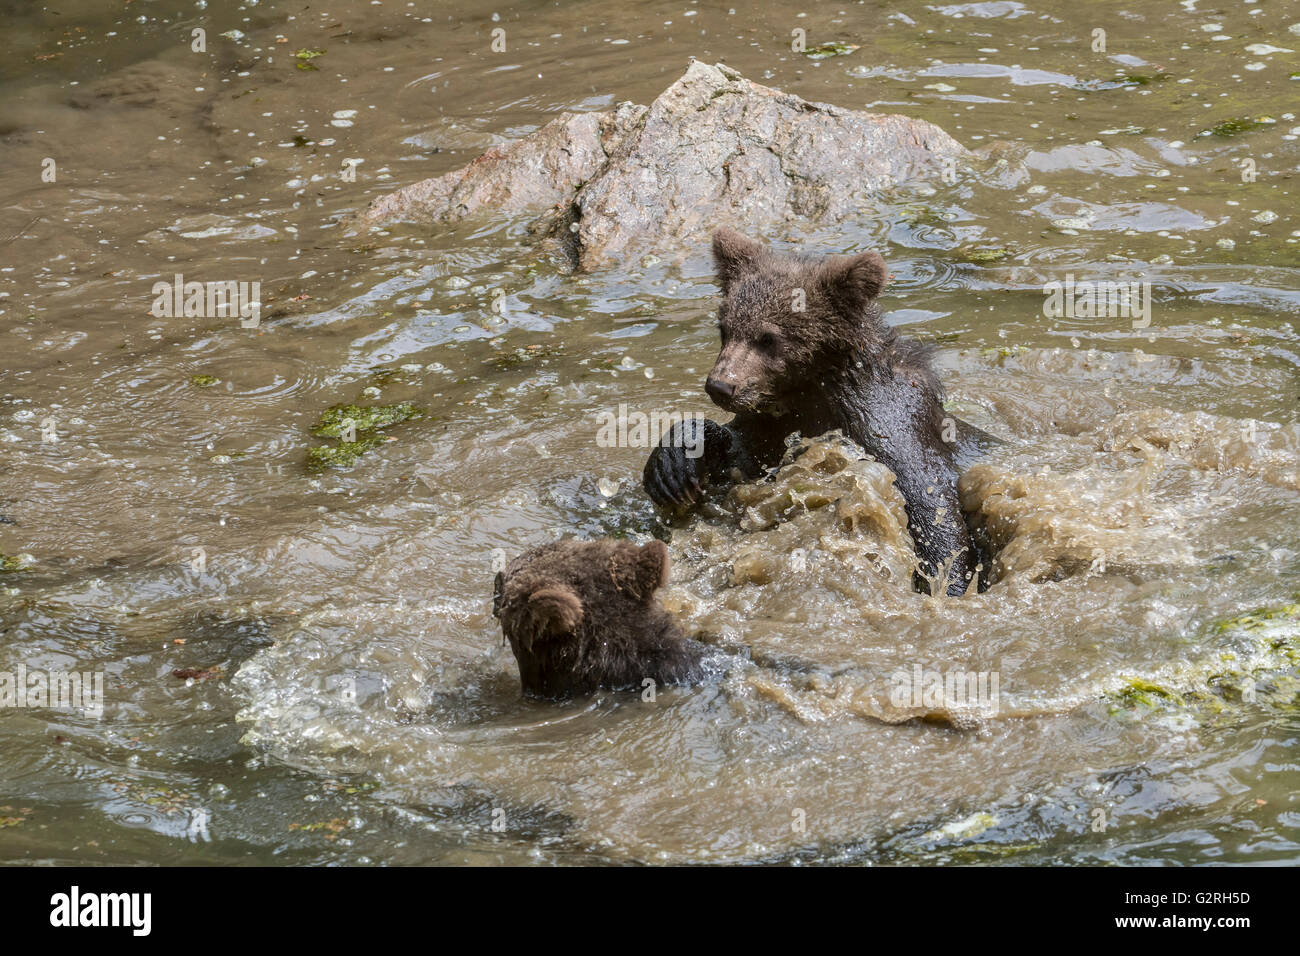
(734, 255)
(549, 612)
(853, 281)
(640, 571)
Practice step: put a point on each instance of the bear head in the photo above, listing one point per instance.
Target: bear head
(582, 614)
(786, 319)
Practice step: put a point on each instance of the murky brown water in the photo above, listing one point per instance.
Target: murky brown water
(363, 709)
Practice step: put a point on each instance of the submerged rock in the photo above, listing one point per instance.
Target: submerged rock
(713, 149)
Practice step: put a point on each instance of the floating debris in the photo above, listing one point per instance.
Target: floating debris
(305, 57)
(826, 50)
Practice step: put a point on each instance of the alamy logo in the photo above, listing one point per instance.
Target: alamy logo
(1096, 300)
(58, 690)
(626, 429)
(208, 300)
(103, 909)
(929, 688)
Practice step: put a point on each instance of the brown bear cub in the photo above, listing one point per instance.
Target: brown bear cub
(804, 348)
(582, 615)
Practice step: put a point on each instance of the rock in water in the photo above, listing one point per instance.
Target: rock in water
(713, 149)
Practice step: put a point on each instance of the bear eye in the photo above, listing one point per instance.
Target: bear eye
(767, 341)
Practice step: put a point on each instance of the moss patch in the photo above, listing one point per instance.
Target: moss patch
(342, 455)
(1235, 127)
(367, 420)
(364, 418)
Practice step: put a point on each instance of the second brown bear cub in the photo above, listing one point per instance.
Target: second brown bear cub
(804, 349)
(582, 615)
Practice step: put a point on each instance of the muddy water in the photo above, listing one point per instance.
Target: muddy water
(348, 697)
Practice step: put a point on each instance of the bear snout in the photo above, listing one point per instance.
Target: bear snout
(720, 391)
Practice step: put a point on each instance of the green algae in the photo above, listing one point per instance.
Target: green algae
(10, 563)
(344, 454)
(996, 254)
(363, 418)
(204, 381)
(1255, 665)
(1139, 692)
(366, 421)
(1235, 127)
(1258, 619)
(305, 56)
